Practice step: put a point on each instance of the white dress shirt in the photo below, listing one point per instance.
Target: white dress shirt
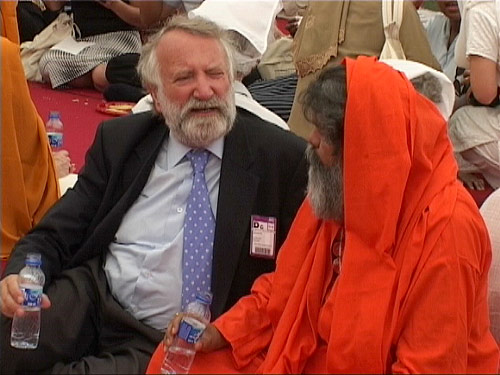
(144, 263)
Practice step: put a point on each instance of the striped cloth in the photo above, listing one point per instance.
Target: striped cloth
(61, 67)
(275, 94)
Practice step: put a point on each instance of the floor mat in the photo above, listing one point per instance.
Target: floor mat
(78, 113)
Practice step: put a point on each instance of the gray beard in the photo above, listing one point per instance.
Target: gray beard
(199, 133)
(325, 188)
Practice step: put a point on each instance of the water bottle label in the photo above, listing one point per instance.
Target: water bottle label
(32, 297)
(191, 329)
(55, 139)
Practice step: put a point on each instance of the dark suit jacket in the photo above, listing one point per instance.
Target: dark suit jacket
(263, 172)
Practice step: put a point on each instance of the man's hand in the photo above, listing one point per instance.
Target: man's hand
(63, 163)
(210, 340)
(12, 297)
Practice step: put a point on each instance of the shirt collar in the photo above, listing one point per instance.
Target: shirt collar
(240, 88)
(176, 150)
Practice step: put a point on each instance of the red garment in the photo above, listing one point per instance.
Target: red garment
(411, 295)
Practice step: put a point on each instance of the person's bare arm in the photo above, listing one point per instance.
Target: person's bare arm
(152, 12)
(54, 5)
(129, 13)
(483, 79)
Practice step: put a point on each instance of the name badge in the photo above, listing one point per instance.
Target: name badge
(263, 239)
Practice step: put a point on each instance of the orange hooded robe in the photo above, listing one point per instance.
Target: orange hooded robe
(28, 178)
(411, 296)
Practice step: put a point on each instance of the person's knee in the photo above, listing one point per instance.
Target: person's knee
(99, 78)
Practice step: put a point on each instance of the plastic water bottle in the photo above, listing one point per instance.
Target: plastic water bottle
(54, 128)
(180, 354)
(26, 329)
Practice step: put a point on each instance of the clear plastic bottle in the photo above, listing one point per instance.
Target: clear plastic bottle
(180, 354)
(54, 128)
(26, 329)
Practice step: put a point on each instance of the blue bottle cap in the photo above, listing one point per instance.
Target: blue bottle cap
(33, 259)
(54, 115)
(204, 297)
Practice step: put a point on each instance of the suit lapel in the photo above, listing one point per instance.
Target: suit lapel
(134, 175)
(237, 192)
(140, 163)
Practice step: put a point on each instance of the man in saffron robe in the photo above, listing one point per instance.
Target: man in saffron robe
(386, 265)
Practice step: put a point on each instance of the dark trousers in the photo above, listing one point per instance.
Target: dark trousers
(125, 84)
(123, 69)
(85, 331)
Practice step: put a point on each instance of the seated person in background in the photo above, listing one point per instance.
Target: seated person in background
(275, 94)
(156, 11)
(33, 16)
(425, 15)
(121, 71)
(356, 29)
(110, 25)
(275, 89)
(385, 276)
(442, 31)
(293, 11)
(248, 24)
(475, 128)
(432, 84)
(117, 249)
(28, 177)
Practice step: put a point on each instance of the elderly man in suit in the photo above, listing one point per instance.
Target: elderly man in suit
(146, 227)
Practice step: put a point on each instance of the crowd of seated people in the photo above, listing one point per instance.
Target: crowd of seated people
(110, 27)
(475, 126)
(465, 43)
(394, 215)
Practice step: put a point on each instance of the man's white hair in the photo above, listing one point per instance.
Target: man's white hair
(149, 67)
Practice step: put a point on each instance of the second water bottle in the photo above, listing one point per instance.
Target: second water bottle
(55, 130)
(180, 354)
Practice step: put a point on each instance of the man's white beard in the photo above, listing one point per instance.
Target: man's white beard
(199, 132)
(325, 188)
